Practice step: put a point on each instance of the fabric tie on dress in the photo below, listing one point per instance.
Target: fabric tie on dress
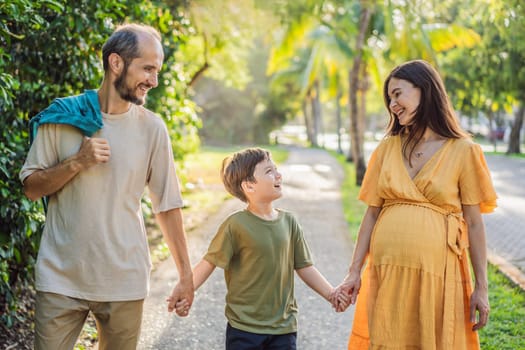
(456, 263)
(457, 238)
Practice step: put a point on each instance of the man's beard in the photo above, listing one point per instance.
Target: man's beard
(126, 92)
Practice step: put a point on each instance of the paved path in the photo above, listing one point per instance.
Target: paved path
(312, 179)
(506, 226)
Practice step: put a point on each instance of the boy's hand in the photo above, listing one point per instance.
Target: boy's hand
(343, 301)
(351, 286)
(181, 307)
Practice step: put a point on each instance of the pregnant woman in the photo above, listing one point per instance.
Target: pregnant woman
(426, 185)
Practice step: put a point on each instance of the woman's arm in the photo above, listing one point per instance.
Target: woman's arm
(479, 301)
(352, 282)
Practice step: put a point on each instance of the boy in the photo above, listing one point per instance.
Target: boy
(259, 248)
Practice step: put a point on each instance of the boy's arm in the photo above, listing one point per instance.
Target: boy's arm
(201, 272)
(313, 278)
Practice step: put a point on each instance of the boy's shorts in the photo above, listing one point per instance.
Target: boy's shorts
(59, 320)
(240, 340)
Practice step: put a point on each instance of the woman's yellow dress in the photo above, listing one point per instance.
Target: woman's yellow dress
(416, 286)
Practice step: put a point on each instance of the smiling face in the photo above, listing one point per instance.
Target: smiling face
(141, 74)
(267, 184)
(404, 100)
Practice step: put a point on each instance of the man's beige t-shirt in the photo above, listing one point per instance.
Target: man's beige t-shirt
(94, 244)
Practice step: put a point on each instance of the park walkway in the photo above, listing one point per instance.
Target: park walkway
(506, 226)
(312, 179)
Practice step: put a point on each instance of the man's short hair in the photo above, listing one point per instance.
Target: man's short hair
(125, 42)
(240, 167)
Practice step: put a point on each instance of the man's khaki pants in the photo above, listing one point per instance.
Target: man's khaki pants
(59, 320)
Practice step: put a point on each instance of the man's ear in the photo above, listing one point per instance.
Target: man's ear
(116, 63)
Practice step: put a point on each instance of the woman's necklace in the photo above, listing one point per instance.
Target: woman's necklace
(431, 145)
(421, 152)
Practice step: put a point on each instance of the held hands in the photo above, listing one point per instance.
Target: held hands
(182, 308)
(339, 299)
(93, 151)
(346, 293)
(181, 299)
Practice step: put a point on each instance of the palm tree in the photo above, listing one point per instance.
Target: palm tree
(359, 39)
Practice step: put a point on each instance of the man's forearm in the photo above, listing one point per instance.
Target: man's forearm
(48, 181)
(171, 225)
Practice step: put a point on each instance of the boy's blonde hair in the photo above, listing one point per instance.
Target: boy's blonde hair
(240, 167)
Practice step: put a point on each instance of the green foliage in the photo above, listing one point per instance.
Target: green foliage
(247, 115)
(229, 53)
(491, 77)
(170, 98)
(19, 227)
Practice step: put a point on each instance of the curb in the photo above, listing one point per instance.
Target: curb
(509, 270)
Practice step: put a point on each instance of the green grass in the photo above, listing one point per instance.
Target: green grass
(352, 208)
(506, 327)
(514, 155)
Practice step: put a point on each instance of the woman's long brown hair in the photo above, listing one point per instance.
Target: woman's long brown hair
(434, 110)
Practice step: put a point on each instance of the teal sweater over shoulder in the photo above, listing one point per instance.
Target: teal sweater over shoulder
(81, 111)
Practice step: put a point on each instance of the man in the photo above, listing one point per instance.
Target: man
(92, 157)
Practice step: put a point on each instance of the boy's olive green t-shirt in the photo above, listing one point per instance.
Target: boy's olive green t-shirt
(259, 258)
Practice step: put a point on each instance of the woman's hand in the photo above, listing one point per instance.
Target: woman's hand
(479, 303)
(349, 287)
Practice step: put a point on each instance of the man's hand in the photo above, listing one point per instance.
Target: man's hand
(181, 298)
(48, 181)
(93, 151)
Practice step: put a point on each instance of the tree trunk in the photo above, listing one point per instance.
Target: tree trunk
(361, 124)
(198, 74)
(316, 114)
(514, 139)
(354, 84)
(307, 122)
(338, 119)
(204, 67)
